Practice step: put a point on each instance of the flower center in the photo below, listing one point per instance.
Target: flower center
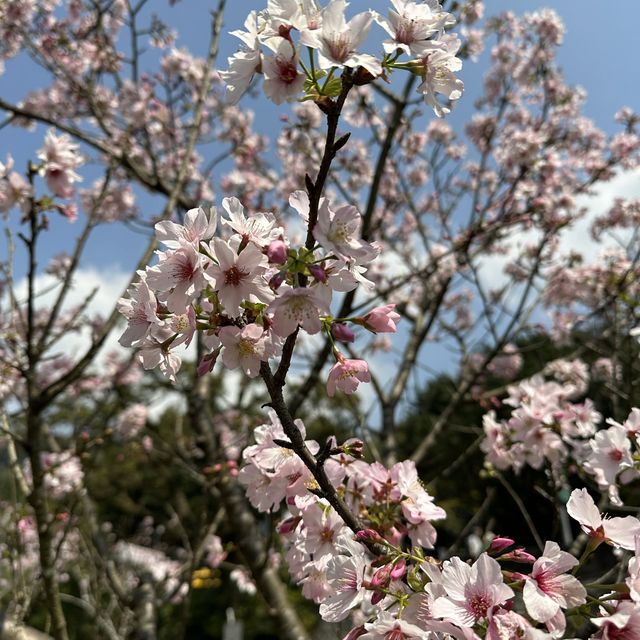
(287, 71)
(246, 348)
(340, 47)
(615, 455)
(478, 605)
(406, 32)
(234, 276)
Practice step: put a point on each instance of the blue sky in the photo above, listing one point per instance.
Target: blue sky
(600, 53)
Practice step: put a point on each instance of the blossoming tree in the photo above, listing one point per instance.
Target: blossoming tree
(261, 308)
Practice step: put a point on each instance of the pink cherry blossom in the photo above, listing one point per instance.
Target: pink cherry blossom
(198, 226)
(238, 277)
(282, 79)
(59, 159)
(472, 591)
(548, 588)
(244, 348)
(346, 375)
(437, 68)
(297, 306)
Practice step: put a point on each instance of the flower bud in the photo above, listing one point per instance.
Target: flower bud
(353, 447)
(276, 280)
(318, 272)
(499, 544)
(368, 535)
(355, 633)
(277, 252)
(382, 576)
(399, 569)
(382, 319)
(519, 555)
(342, 332)
(288, 525)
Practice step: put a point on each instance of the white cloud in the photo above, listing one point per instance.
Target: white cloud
(106, 285)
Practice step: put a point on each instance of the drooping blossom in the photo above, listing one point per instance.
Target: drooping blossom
(437, 69)
(243, 64)
(346, 374)
(283, 81)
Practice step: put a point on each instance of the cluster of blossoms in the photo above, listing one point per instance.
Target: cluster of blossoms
(247, 292)
(547, 427)
(59, 158)
(414, 29)
(384, 580)
(63, 473)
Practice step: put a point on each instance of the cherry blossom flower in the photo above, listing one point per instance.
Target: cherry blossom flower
(437, 68)
(59, 159)
(258, 228)
(339, 232)
(181, 274)
(387, 626)
(282, 79)
(141, 312)
(198, 226)
(243, 64)
(346, 575)
(337, 40)
(472, 591)
(610, 454)
(620, 532)
(155, 351)
(622, 624)
(297, 306)
(412, 25)
(244, 348)
(548, 589)
(238, 277)
(346, 375)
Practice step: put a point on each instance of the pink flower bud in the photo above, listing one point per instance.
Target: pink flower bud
(382, 576)
(276, 280)
(377, 596)
(318, 272)
(277, 252)
(519, 555)
(342, 332)
(382, 319)
(399, 569)
(288, 525)
(207, 362)
(394, 536)
(368, 535)
(499, 544)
